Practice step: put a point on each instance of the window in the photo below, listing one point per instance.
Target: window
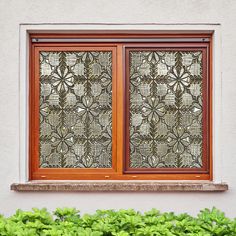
(120, 107)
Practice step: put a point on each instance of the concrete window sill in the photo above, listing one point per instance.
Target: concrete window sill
(120, 186)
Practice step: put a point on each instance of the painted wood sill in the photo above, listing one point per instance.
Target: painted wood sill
(120, 186)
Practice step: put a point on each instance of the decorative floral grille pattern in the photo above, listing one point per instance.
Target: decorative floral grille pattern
(75, 109)
(165, 109)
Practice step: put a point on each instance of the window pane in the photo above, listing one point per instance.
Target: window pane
(75, 109)
(165, 109)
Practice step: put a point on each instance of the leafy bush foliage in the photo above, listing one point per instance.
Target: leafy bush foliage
(68, 222)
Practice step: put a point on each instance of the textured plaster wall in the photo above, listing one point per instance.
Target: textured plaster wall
(14, 12)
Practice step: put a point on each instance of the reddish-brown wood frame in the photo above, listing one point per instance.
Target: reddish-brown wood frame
(204, 48)
(119, 170)
(65, 173)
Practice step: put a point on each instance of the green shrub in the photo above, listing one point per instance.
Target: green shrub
(68, 222)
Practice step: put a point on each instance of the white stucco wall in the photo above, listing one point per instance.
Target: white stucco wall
(207, 13)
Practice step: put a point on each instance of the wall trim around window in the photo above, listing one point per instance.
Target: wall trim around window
(24, 42)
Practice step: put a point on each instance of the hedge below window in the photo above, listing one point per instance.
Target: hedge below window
(68, 221)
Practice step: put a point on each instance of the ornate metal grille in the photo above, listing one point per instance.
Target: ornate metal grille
(75, 109)
(165, 109)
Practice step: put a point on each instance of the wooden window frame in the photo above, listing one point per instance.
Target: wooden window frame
(120, 106)
(203, 47)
